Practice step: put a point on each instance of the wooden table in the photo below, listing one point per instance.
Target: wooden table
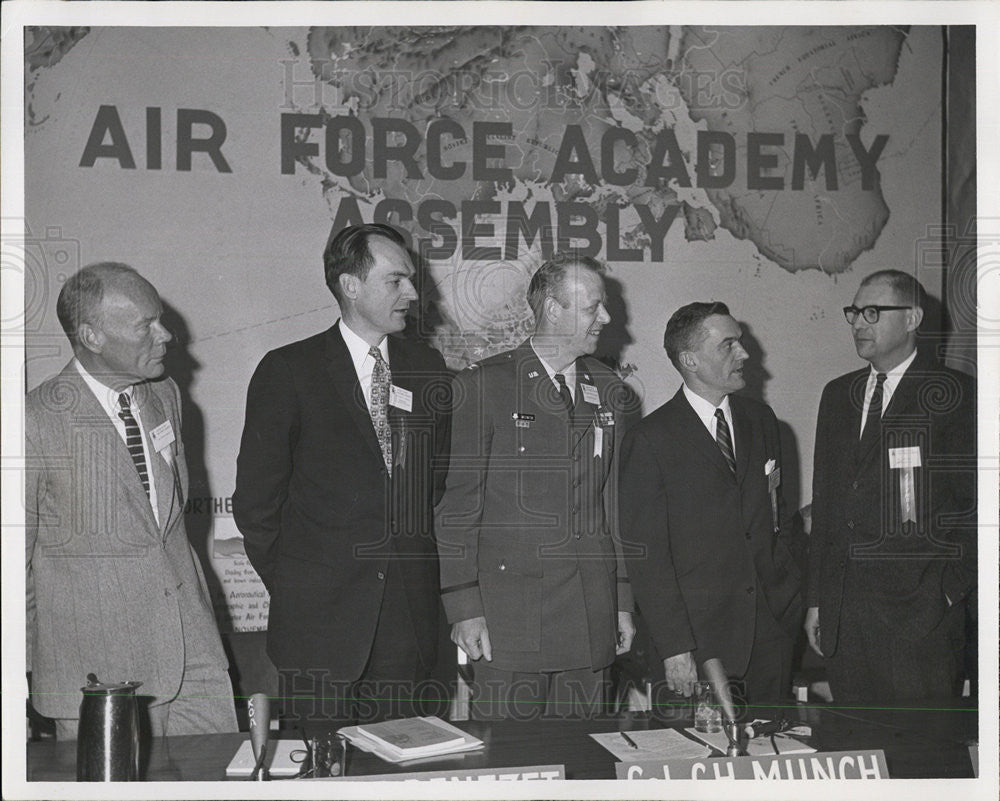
(918, 743)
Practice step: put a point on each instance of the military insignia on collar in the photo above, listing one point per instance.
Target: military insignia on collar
(533, 374)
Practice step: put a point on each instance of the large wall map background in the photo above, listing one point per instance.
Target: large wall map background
(769, 167)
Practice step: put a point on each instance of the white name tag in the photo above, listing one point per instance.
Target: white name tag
(590, 394)
(400, 398)
(904, 457)
(162, 436)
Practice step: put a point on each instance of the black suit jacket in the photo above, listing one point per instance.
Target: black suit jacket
(322, 519)
(904, 572)
(710, 543)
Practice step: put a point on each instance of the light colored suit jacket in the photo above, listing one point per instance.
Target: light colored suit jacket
(109, 590)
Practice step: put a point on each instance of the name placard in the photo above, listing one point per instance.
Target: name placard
(816, 766)
(521, 774)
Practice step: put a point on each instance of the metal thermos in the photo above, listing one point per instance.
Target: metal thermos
(107, 746)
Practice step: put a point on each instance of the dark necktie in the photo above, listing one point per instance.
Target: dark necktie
(873, 422)
(381, 379)
(133, 440)
(564, 392)
(724, 439)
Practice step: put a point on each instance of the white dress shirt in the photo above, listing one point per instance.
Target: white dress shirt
(108, 398)
(569, 373)
(892, 378)
(706, 413)
(364, 364)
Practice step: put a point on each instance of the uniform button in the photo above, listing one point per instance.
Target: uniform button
(520, 449)
(576, 482)
(577, 536)
(748, 535)
(381, 575)
(843, 563)
(576, 509)
(503, 566)
(854, 485)
(850, 524)
(749, 590)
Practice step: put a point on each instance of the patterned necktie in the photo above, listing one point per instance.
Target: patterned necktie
(873, 422)
(133, 440)
(724, 440)
(564, 392)
(381, 379)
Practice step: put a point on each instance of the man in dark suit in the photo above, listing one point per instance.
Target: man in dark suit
(335, 491)
(893, 541)
(700, 492)
(113, 586)
(531, 579)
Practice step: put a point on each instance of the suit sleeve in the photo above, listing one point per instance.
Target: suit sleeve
(458, 517)
(34, 483)
(787, 534)
(264, 465)
(443, 400)
(821, 519)
(957, 512)
(643, 519)
(626, 406)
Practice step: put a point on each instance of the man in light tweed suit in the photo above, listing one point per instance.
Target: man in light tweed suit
(113, 585)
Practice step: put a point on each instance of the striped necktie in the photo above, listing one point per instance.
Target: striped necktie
(724, 440)
(133, 440)
(381, 379)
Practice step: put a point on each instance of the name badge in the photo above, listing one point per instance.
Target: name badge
(598, 442)
(400, 398)
(162, 436)
(522, 420)
(903, 458)
(590, 394)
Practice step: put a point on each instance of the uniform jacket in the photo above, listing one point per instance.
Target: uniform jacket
(711, 545)
(526, 529)
(906, 571)
(108, 587)
(322, 519)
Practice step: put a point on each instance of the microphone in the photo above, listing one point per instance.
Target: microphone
(259, 711)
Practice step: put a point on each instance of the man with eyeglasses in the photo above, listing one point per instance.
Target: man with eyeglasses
(893, 543)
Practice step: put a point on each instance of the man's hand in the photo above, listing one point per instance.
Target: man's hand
(473, 637)
(681, 673)
(626, 632)
(812, 628)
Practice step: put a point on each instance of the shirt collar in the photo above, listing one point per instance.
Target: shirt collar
(106, 396)
(704, 409)
(359, 349)
(569, 373)
(896, 372)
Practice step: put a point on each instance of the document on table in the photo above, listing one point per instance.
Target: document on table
(761, 746)
(652, 744)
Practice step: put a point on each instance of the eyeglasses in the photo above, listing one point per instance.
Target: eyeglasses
(870, 313)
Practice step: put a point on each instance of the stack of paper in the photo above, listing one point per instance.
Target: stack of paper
(410, 738)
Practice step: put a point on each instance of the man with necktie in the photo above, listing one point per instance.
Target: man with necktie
(113, 586)
(701, 494)
(531, 575)
(893, 542)
(346, 434)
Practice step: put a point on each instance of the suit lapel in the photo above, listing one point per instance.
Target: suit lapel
(344, 377)
(742, 438)
(693, 434)
(399, 418)
(167, 491)
(90, 413)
